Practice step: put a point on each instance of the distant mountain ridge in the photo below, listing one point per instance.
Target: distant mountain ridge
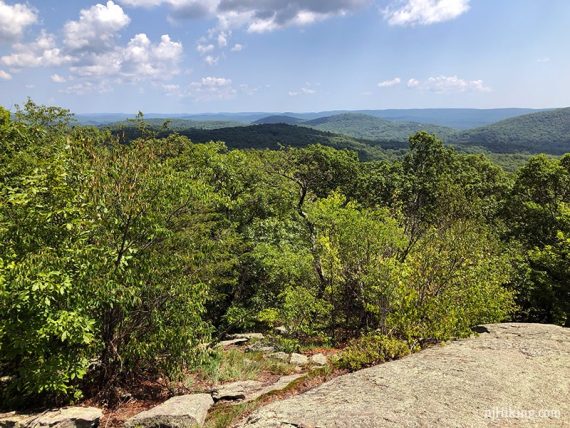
(283, 119)
(547, 131)
(368, 127)
(454, 118)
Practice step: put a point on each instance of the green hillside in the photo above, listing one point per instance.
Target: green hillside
(288, 120)
(182, 124)
(272, 136)
(547, 132)
(374, 128)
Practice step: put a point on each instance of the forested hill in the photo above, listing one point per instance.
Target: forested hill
(547, 132)
(288, 120)
(270, 136)
(374, 128)
(178, 124)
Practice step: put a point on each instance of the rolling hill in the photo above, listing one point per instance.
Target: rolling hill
(547, 132)
(284, 119)
(374, 128)
(458, 118)
(271, 136)
(177, 124)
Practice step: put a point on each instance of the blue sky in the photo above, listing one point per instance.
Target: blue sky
(175, 56)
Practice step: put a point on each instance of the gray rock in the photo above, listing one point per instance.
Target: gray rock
(13, 419)
(474, 382)
(280, 356)
(184, 411)
(248, 336)
(67, 417)
(233, 342)
(259, 347)
(299, 360)
(236, 390)
(281, 384)
(246, 391)
(319, 360)
(282, 330)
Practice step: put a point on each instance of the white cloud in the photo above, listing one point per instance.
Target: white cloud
(449, 84)
(211, 60)
(204, 48)
(223, 39)
(424, 12)
(88, 87)
(96, 28)
(14, 19)
(5, 75)
(308, 89)
(56, 78)
(43, 52)
(543, 60)
(237, 47)
(389, 83)
(180, 8)
(211, 88)
(139, 60)
(413, 83)
(256, 16)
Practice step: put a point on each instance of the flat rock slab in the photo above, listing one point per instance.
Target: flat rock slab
(510, 375)
(67, 417)
(185, 411)
(237, 390)
(233, 342)
(250, 390)
(248, 336)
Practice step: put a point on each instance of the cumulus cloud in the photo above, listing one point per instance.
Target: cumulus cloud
(237, 47)
(424, 12)
(180, 8)
(56, 78)
(413, 83)
(256, 15)
(204, 48)
(449, 84)
(90, 46)
(4, 75)
(139, 60)
(211, 88)
(43, 52)
(389, 83)
(211, 60)
(96, 28)
(14, 19)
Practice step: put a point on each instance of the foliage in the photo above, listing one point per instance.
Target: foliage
(370, 350)
(120, 260)
(374, 128)
(546, 131)
(537, 212)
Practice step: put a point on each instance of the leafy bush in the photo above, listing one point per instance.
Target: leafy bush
(370, 350)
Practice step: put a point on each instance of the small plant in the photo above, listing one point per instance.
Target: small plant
(370, 350)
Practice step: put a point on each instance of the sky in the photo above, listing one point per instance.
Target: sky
(192, 56)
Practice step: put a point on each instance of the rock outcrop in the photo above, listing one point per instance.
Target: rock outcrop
(509, 375)
(67, 417)
(250, 390)
(185, 411)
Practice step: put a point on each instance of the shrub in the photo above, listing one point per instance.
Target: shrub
(370, 350)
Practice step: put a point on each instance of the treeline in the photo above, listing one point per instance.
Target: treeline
(119, 260)
(271, 136)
